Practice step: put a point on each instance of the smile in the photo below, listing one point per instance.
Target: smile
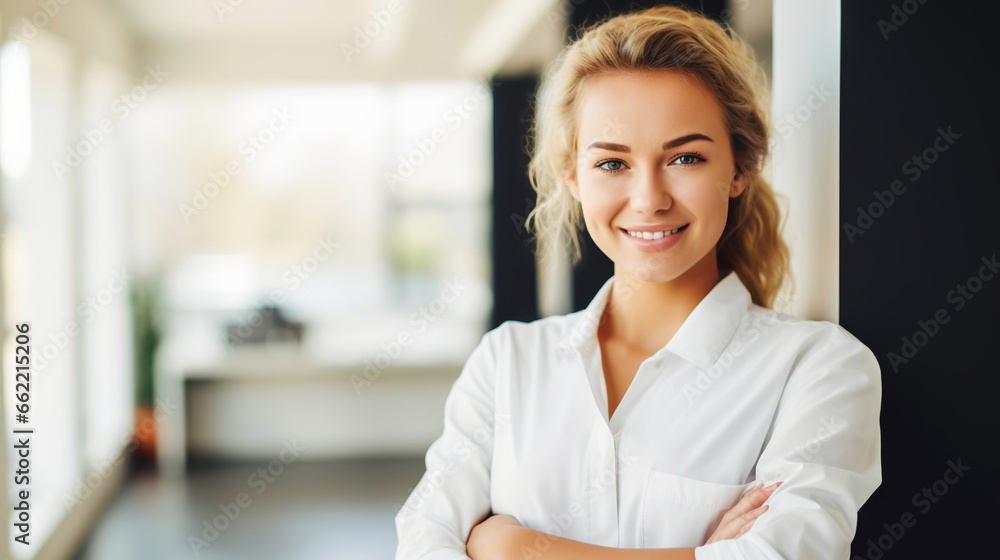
(655, 241)
(653, 234)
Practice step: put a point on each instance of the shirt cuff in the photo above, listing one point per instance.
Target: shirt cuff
(719, 550)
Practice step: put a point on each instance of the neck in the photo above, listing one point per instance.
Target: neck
(646, 315)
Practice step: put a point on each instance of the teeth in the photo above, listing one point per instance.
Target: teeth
(652, 234)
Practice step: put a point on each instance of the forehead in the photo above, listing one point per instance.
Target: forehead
(656, 103)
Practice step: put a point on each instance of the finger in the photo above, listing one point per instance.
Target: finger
(750, 500)
(731, 528)
(757, 512)
(751, 515)
(768, 490)
(750, 518)
(759, 495)
(745, 521)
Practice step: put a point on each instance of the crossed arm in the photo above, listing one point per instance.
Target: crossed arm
(501, 537)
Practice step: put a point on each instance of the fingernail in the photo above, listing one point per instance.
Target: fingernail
(773, 486)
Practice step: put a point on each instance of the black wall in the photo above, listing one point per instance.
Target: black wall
(514, 286)
(906, 77)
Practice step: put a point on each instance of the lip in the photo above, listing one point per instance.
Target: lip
(663, 227)
(655, 245)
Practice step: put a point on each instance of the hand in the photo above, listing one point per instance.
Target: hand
(488, 539)
(740, 517)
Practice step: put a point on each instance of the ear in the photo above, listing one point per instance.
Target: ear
(569, 177)
(739, 183)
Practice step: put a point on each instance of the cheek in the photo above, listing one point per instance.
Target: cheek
(710, 187)
(710, 204)
(716, 210)
(599, 198)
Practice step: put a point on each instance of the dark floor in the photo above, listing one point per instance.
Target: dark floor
(314, 511)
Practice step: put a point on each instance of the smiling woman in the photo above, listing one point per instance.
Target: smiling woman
(639, 199)
(647, 424)
(665, 71)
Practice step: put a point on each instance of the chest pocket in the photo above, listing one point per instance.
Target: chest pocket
(683, 512)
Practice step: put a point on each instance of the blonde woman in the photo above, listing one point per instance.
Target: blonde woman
(658, 421)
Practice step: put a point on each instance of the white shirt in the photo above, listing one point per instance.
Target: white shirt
(740, 394)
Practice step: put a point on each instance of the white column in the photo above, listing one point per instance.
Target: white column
(805, 153)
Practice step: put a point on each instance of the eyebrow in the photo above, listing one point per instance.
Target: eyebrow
(666, 145)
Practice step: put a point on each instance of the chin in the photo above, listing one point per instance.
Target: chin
(653, 269)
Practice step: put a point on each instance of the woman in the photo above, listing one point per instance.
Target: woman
(635, 428)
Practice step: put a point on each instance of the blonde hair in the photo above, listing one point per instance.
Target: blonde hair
(662, 38)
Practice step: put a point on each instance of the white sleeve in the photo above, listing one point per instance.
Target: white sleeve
(453, 495)
(824, 443)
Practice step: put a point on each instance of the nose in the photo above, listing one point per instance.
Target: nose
(650, 192)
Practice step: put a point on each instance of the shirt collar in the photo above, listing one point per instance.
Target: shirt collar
(701, 338)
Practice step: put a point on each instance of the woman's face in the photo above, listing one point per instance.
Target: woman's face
(653, 155)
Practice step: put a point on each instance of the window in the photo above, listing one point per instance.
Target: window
(65, 273)
(260, 180)
(38, 273)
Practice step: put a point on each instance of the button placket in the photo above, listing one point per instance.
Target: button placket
(602, 482)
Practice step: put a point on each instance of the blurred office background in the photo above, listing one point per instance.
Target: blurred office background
(256, 241)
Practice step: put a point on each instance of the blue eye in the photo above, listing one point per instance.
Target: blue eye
(689, 159)
(611, 165)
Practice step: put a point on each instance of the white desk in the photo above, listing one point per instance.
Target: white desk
(241, 404)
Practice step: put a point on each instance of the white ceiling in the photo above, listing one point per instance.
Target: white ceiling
(269, 40)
